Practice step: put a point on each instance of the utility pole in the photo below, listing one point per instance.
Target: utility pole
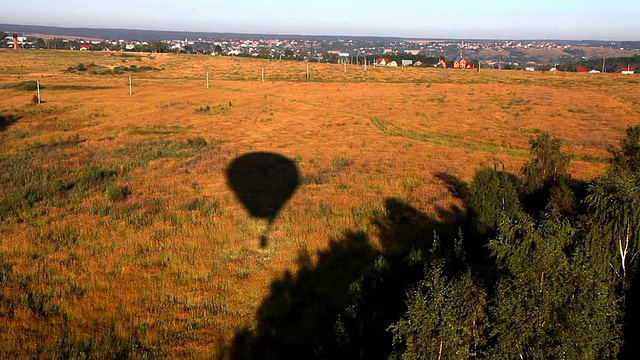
(38, 85)
(603, 62)
(207, 79)
(263, 75)
(130, 86)
(308, 75)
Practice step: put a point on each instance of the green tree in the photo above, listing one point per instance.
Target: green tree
(548, 165)
(613, 223)
(492, 197)
(628, 157)
(40, 43)
(264, 52)
(614, 217)
(159, 46)
(443, 320)
(614, 207)
(550, 304)
(545, 179)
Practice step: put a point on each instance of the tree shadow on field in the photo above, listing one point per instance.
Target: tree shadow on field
(341, 305)
(6, 121)
(475, 244)
(456, 187)
(263, 182)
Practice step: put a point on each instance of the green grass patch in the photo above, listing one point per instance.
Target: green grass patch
(79, 87)
(159, 130)
(139, 155)
(30, 85)
(589, 158)
(390, 129)
(225, 88)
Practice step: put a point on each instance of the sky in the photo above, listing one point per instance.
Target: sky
(489, 19)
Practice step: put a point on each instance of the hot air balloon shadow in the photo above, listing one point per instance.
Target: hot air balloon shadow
(263, 182)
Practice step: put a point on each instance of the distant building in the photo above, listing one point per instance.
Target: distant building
(627, 70)
(530, 68)
(461, 63)
(412, 52)
(582, 69)
(382, 61)
(84, 47)
(407, 62)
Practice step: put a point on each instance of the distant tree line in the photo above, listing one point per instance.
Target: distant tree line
(3, 35)
(371, 58)
(611, 65)
(539, 266)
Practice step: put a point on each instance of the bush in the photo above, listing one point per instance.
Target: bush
(203, 109)
(115, 193)
(93, 176)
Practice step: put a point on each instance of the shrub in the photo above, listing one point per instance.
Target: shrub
(114, 192)
(203, 110)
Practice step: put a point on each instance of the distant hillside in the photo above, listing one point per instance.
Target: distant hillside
(152, 35)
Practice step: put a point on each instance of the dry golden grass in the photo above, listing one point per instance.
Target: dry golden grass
(177, 264)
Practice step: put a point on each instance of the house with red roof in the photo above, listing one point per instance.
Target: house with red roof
(627, 70)
(461, 63)
(382, 61)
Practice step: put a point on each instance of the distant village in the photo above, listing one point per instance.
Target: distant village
(456, 54)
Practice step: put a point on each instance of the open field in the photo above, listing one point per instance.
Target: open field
(117, 224)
